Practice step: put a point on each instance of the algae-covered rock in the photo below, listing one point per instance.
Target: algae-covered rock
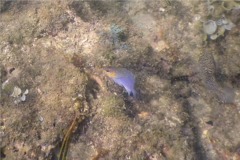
(188, 98)
(113, 106)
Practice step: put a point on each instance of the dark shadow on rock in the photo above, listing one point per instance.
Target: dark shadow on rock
(92, 88)
(235, 80)
(5, 5)
(81, 11)
(131, 110)
(195, 140)
(89, 9)
(99, 6)
(190, 127)
(2, 152)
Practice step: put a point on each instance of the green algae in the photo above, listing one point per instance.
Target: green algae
(113, 106)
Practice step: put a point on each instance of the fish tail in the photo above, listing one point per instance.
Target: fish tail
(131, 92)
(134, 93)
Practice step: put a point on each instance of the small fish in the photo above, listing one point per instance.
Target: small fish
(122, 77)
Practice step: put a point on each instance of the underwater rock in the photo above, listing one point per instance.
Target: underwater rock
(16, 92)
(18, 95)
(235, 15)
(5, 5)
(225, 94)
(118, 36)
(214, 36)
(225, 23)
(229, 26)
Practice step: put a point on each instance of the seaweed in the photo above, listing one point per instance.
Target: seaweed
(79, 117)
(66, 140)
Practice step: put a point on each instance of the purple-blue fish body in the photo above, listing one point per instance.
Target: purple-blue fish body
(122, 77)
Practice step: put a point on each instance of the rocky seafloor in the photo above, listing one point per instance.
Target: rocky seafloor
(185, 56)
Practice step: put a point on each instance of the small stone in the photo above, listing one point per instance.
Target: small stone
(229, 26)
(143, 115)
(161, 9)
(214, 36)
(205, 133)
(41, 118)
(221, 31)
(17, 101)
(23, 98)
(26, 92)
(209, 27)
(16, 92)
(5, 83)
